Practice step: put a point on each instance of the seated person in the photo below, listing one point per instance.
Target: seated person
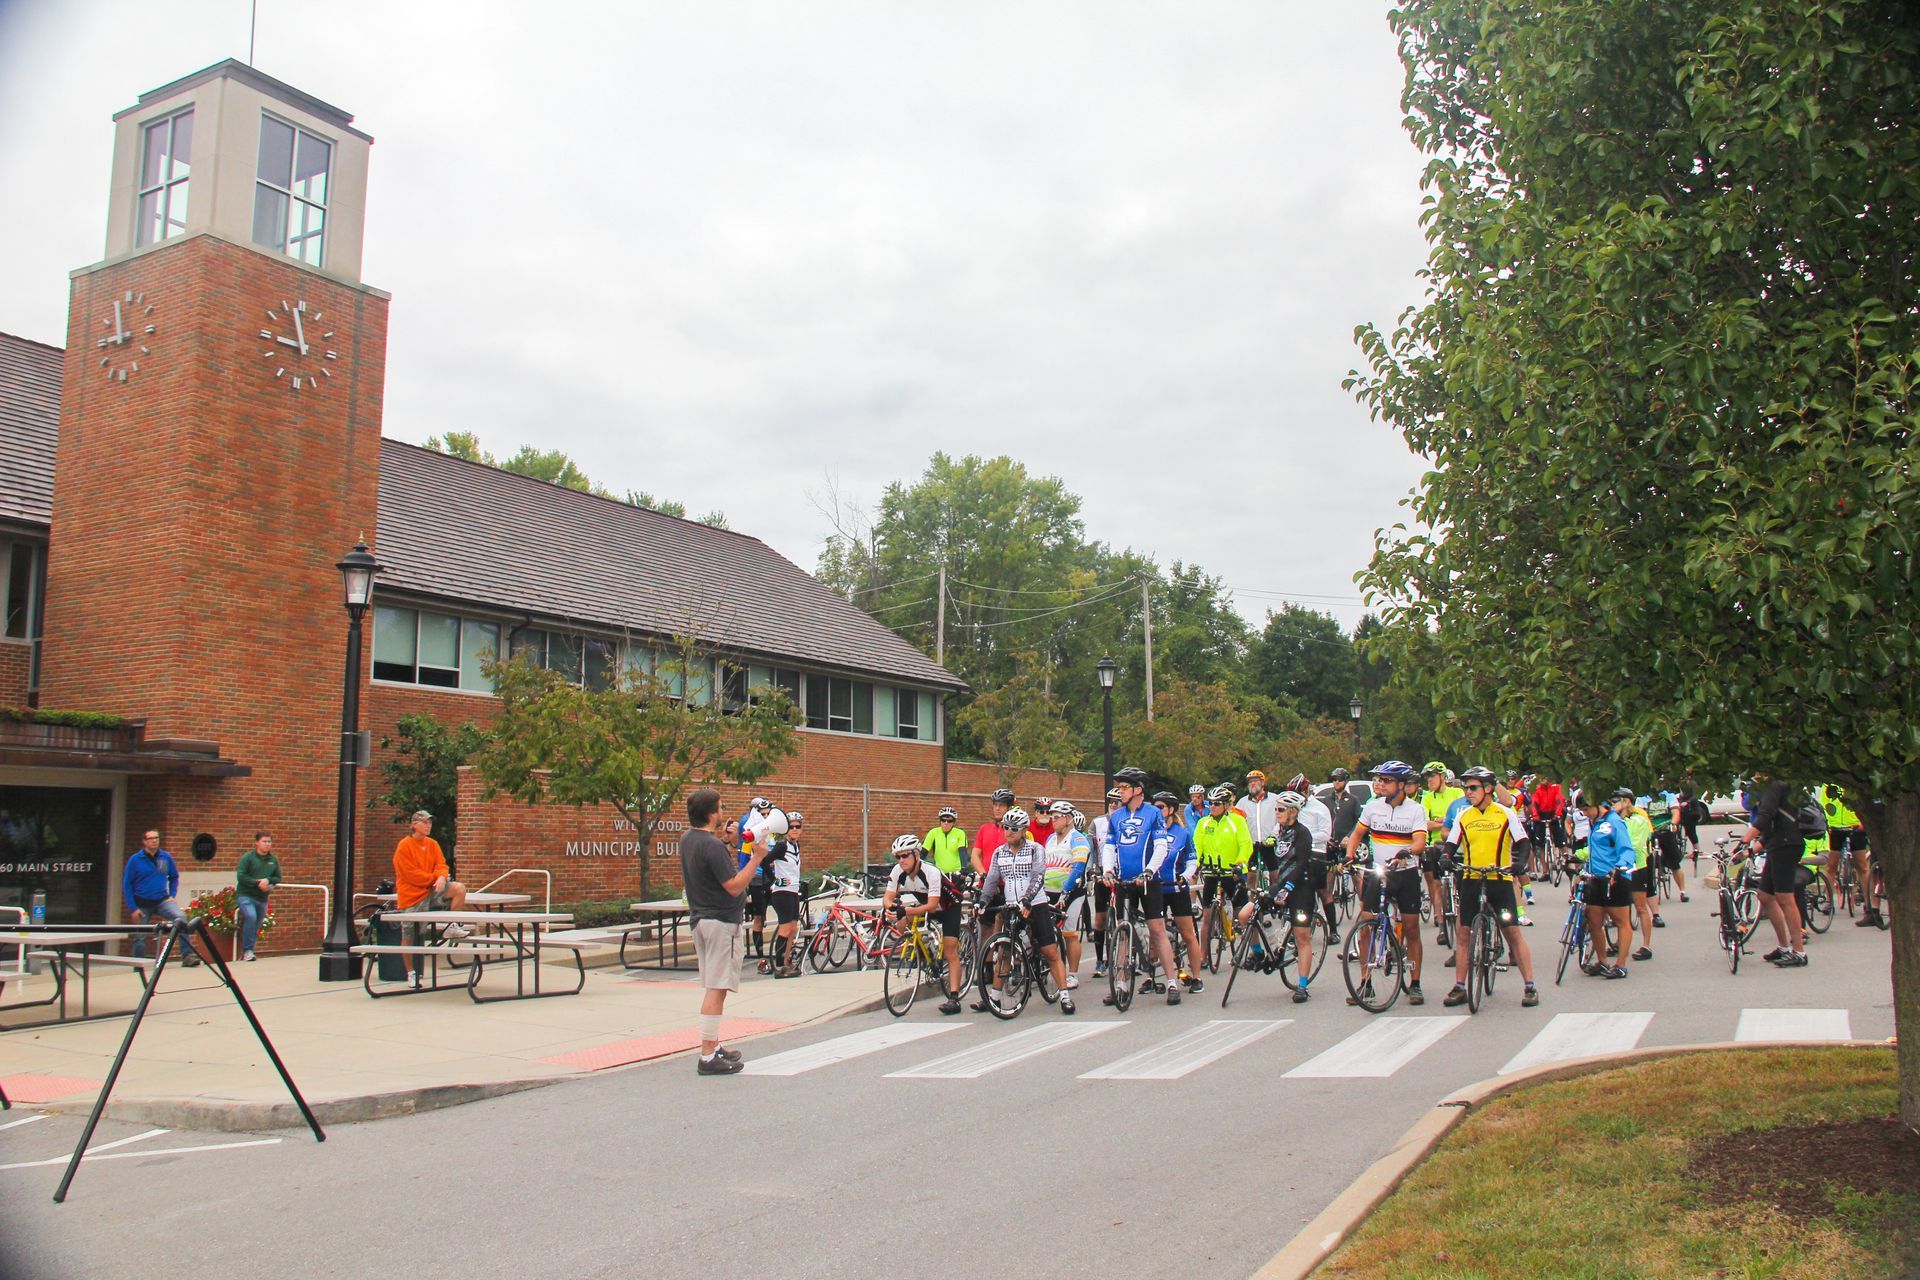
(422, 881)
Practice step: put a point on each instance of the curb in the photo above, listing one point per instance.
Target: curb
(1331, 1227)
(217, 1116)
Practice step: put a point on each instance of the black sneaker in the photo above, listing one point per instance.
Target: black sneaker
(1415, 995)
(949, 1006)
(1593, 970)
(1794, 960)
(1530, 997)
(1658, 923)
(1869, 919)
(731, 1055)
(1107, 999)
(1366, 990)
(1300, 995)
(981, 1006)
(1455, 998)
(717, 1065)
(1616, 972)
(1173, 992)
(1066, 1004)
(1774, 956)
(1644, 953)
(1195, 986)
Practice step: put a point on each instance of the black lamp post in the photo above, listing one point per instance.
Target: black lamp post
(337, 961)
(1107, 669)
(1353, 709)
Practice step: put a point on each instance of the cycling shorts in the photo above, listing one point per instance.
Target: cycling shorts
(1607, 891)
(1497, 895)
(1149, 902)
(1072, 909)
(1175, 899)
(1302, 906)
(786, 906)
(949, 915)
(1213, 884)
(1265, 854)
(1667, 841)
(1102, 897)
(1403, 890)
(1038, 923)
(759, 897)
(1848, 839)
(1784, 875)
(1643, 881)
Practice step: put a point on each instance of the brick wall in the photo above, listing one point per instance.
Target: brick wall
(200, 509)
(15, 662)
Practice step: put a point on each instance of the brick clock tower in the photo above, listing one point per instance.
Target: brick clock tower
(219, 452)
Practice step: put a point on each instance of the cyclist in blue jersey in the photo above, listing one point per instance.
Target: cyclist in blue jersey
(1176, 883)
(1137, 845)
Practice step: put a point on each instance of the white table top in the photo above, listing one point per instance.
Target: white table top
(58, 940)
(663, 906)
(473, 899)
(475, 917)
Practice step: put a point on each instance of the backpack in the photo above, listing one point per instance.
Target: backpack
(1812, 821)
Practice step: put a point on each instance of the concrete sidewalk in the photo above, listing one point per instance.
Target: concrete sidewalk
(196, 1064)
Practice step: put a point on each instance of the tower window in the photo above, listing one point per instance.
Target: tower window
(166, 156)
(290, 199)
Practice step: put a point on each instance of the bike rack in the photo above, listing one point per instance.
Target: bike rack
(523, 871)
(173, 931)
(326, 902)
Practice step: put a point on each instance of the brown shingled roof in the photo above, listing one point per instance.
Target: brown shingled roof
(29, 428)
(464, 531)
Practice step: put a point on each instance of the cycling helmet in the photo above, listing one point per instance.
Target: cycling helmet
(1041, 805)
(1298, 783)
(1292, 800)
(1255, 773)
(1221, 794)
(1002, 795)
(908, 843)
(1015, 819)
(1166, 798)
(1131, 776)
(1079, 820)
(1339, 775)
(1196, 790)
(1397, 770)
(1622, 793)
(1116, 793)
(947, 814)
(762, 803)
(1512, 774)
(1431, 766)
(1061, 809)
(794, 816)
(1478, 773)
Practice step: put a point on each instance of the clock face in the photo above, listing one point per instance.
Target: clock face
(298, 346)
(125, 336)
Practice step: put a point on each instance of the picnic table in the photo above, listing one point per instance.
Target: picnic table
(664, 917)
(476, 901)
(61, 948)
(516, 936)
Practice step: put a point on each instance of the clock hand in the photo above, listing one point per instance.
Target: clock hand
(286, 342)
(299, 332)
(119, 327)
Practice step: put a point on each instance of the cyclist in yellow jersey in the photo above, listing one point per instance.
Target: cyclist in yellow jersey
(1847, 835)
(946, 844)
(1489, 840)
(1640, 827)
(1436, 799)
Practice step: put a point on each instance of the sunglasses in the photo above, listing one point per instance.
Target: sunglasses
(1472, 786)
(902, 857)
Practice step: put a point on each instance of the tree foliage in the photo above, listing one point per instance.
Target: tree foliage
(1021, 724)
(1199, 733)
(1666, 376)
(634, 746)
(1303, 657)
(420, 770)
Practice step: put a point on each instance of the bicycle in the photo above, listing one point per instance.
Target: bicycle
(1743, 870)
(1375, 946)
(1222, 930)
(850, 933)
(1257, 950)
(1485, 943)
(1019, 968)
(915, 960)
(1732, 936)
(1127, 947)
(1574, 940)
(1819, 894)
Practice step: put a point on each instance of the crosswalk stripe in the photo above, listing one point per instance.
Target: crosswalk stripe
(1378, 1049)
(844, 1048)
(971, 1064)
(1580, 1035)
(1794, 1024)
(1187, 1052)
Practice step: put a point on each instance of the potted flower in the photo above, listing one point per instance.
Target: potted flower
(221, 912)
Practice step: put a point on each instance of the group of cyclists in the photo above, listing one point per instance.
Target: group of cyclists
(1398, 845)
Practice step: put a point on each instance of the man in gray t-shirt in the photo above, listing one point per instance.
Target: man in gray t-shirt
(716, 893)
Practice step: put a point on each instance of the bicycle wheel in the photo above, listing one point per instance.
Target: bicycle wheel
(1120, 960)
(1372, 965)
(1729, 932)
(969, 956)
(1290, 956)
(1251, 942)
(1746, 910)
(1573, 941)
(1479, 961)
(1007, 960)
(820, 948)
(900, 982)
(1219, 946)
(1820, 903)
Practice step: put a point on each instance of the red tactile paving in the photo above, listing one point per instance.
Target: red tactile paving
(619, 1053)
(38, 1088)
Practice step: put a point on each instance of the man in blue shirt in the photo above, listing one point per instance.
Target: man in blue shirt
(1176, 883)
(1608, 890)
(1137, 846)
(149, 886)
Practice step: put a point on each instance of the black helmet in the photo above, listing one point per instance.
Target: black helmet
(1131, 776)
(1478, 773)
(1003, 795)
(1166, 798)
(1339, 775)
(1622, 793)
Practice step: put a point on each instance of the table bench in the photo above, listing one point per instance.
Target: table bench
(58, 947)
(522, 936)
(664, 918)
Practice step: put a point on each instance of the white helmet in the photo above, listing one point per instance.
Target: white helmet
(1292, 800)
(1061, 809)
(1223, 794)
(908, 843)
(1015, 819)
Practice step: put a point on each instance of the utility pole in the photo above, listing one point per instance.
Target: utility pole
(1146, 619)
(940, 619)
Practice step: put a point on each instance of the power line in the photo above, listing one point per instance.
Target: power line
(888, 608)
(1048, 613)
(1040, 591)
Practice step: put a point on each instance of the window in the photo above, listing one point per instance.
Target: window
(886, 720)
(844, 706)
(166, 156)
(759, 679)
(290, 199)
(414, 646)
(603, 663)
(909, 721)
(22, 564)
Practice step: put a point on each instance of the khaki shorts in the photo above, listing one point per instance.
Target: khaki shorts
(716, 948)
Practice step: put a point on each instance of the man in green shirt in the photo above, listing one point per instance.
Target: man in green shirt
(258, 873)
(1437, 799)
(946, 846)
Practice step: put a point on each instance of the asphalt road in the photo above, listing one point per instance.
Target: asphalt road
(961, 1152)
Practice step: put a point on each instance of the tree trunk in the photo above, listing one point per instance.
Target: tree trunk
(1893, 828)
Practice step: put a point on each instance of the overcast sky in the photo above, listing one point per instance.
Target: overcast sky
(723, 252)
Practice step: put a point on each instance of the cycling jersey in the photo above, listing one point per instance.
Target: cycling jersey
(1549, 801)
(1019, 871)
(1194, 814)
(1640, 828)
(1260, 816)
(1392, 828)
(1436, 803)
(1223, 843)
(1839, 816)
(784, 862)
(1454, 811)
(1179, 859)
(1318, 820)
(923, 884)
(1610, 846)
(1485, 837)
(947, 847)
(987, 840)
(1136, 842)
(1659, 807)
(1582, 826)
(1067, 860)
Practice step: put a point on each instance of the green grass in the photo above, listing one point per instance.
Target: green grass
(1591, 1179)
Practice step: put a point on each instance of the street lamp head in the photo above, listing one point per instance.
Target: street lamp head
(1106, 669)
(1353, 707)
(356, 575)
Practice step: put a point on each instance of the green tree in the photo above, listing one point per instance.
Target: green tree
(635, 746)
(421, 768)
(1666, 375)
(1021, 725)
(1199, 732)
(1302, 656)
(1315, 748)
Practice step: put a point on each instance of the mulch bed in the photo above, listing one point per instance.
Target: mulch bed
(1792, 1168)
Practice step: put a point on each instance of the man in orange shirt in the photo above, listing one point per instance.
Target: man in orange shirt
(422, 881)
